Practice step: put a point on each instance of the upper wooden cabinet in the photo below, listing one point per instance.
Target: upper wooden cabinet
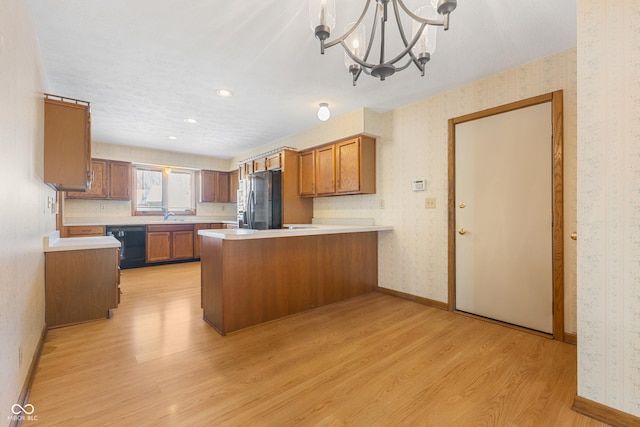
(119, 180)
(98, 187)
(110, 180)
(356, 166)
(343, 167)
(214, 187)
(67, 143)
(274, 161)
(307, 173)
(260, 165)
(325, 170)
(233, 186)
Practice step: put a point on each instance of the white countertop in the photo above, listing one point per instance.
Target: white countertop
(295, 230)
(53, 243)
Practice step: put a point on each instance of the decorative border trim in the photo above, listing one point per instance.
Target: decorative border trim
(28, 382)
(604, 413)
(414, 298)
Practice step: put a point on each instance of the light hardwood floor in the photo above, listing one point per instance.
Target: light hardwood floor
(370, 361)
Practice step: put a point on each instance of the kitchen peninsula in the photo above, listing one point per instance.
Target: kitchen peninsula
(253, 276)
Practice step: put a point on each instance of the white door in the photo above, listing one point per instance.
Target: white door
(503, 205)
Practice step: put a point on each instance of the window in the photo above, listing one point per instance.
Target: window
(160, 190)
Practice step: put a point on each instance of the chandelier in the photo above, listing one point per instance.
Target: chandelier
(417, 50)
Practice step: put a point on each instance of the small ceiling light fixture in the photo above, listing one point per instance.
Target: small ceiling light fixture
(323, 112)
(171, 137)
(190, 120)
(357, 47)
(224, 93)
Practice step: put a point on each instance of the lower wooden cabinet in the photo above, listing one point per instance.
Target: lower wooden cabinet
(169, 242)
(158, 246)
(182, 244)
(80, 285)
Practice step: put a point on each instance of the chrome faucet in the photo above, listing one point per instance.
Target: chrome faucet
(166, 214)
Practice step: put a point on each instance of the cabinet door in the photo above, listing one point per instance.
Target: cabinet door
(260, 165)
(307, 173)
(325, 170)
(67, 144)
(159, 246)
(348, 166)
(233, 186)
(207, 186)
(274, 161)
(84, 231)
(99, 185)
(222, 187)
(182, 244)
(119, 180)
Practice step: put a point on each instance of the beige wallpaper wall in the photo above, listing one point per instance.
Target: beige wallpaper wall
(24, 216)
(609, 203)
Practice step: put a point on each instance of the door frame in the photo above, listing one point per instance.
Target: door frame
(557, 199)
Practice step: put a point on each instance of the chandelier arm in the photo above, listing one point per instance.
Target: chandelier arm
(409, 46)
(405, 66)
(365, 58)
(404, 37)
(383, 22)
(351, 30)
(443, 23)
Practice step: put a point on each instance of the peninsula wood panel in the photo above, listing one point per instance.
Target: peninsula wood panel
(284, 276)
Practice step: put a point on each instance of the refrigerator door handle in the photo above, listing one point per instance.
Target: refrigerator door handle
(251, 207)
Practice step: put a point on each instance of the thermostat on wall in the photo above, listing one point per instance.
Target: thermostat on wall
(418, 185)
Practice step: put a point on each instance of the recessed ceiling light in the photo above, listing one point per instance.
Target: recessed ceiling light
(172, 137)
(190, 120)
(224, 92)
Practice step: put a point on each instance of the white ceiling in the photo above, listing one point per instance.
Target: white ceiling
(146, 65)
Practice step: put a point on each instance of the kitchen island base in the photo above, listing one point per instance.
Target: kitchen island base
(247, 282)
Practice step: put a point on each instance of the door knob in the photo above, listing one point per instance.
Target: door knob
(462, 231)
(574, 236)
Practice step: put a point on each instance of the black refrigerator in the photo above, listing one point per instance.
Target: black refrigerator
(263, 205)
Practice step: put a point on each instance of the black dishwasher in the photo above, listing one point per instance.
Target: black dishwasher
(132, 240)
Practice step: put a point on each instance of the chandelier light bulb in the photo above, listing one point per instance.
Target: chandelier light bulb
(323, 112)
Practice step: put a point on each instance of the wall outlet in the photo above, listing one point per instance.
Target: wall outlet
(381, 203)
(222, 208)
(430, 203)
(101, 206)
